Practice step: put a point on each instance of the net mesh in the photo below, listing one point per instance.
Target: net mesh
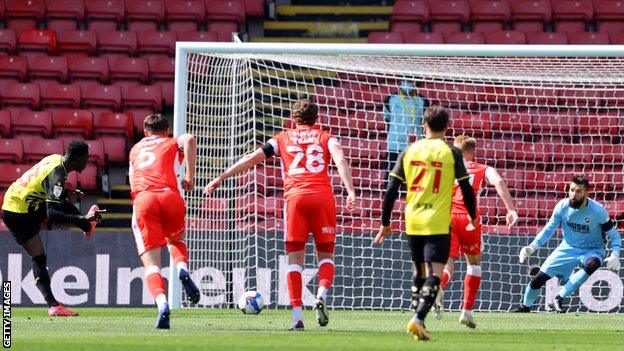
(536, 120)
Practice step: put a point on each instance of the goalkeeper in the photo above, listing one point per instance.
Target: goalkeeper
(584, 222)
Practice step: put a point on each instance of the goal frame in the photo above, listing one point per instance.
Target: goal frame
(460, 50)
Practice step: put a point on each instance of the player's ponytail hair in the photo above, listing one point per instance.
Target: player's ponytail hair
(581, 179)
(155, 123)
(304, 112)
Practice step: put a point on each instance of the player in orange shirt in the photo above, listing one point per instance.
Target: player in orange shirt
(306, 152)
(158, 207)
(467, 239)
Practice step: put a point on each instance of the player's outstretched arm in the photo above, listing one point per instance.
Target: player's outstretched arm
(189, 145)
(543, 236)
(392, 192)
(337, 154)
(240, 166)
(498, 182)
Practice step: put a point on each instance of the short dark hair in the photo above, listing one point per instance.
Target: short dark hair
(155, 123)
(76, 149)
(580, 179)
(436, 118)
(305, 112)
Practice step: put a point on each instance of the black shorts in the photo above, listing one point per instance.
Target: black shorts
(24, 226)
(429, 248)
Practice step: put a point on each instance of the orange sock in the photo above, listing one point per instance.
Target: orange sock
(179, 252)
(471, 286)
(295, 285)
(155, 283)
(326, 272)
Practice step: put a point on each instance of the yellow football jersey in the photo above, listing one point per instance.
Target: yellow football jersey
(43, 182)
(429, 167)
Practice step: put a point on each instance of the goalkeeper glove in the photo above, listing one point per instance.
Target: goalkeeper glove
(525, 252)
(613, 263)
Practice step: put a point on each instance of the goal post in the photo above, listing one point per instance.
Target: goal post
(539, 114)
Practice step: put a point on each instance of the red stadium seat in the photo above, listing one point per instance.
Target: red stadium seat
(10, 172)
(147, 96)
(198, 36)
(589, 38)
(224, 29)
(465, 38)
(449, 16)
(32, 122)
(550, 181)
(162, 43)
(254, 8)
(384, 38)
(423, 38)
(116, 148)
(129, 68)
(451, 95)
(60, 95)
(118, 43)
(506, 37)
(215, 208)
(11, 150)
(48, 67)
(467, 123)
(37, 40)
(168, 90)
(547, 38)
(571, 153)
(161, 68)
(8, 41)
(96, 95)
(582, 97)
(96, 152)
(64, 14)
(105, 15)
(5, 123)
(144, 15)
(514, 178)
(600, 124)
(504, 122)
(571, 16)
(334, 97)
(185, 15)
(489, 16)
(23, 94)
(95, 68)
(525, 152)
(610, 16)
(40, 148)
(113, 123)
(542, 96)
(138, 116)
(562, 123)
(493, 152)
(409, 16)
(23, 15)
(72, 122)
(14, 67)
(226, 10)
(531, 15)
(76, 41)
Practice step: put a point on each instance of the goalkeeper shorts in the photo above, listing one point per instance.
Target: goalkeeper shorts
(157, 219)
(464, 241)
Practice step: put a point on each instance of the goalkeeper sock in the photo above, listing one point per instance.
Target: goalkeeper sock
(427, 297)
(446, 277)
(42, 279)
(293, 279)
(417, 283)
(156, 285)
(530, 295)
(326, 277)
(179, 253)
(576, 280)
(471, 286)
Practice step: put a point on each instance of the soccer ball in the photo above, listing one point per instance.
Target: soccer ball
(251, 302)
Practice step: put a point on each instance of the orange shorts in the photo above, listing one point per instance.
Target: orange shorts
(463, 241)
(311, 213)
(157, 219)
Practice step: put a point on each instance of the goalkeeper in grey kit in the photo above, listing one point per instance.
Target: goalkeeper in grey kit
(585, 224)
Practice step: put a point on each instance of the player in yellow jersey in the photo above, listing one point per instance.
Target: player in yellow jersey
(38, 195)
(429, 167)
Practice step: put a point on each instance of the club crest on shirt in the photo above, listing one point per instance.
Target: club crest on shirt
(586, 219)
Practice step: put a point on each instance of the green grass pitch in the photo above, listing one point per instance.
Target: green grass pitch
(218, 329)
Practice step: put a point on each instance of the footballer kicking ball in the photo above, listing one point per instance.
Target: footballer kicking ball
(251, 302)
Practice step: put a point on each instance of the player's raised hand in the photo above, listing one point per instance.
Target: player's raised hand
(512, 218)
(188, 184)
(613, 263)
(384, 231)
(525, 252)
(212, 186)
(351, 202)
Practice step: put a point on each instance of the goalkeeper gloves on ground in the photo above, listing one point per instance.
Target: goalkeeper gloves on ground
(525, 252)
(613, 263)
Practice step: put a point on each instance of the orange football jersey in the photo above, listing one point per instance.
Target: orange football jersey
(154, 164)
